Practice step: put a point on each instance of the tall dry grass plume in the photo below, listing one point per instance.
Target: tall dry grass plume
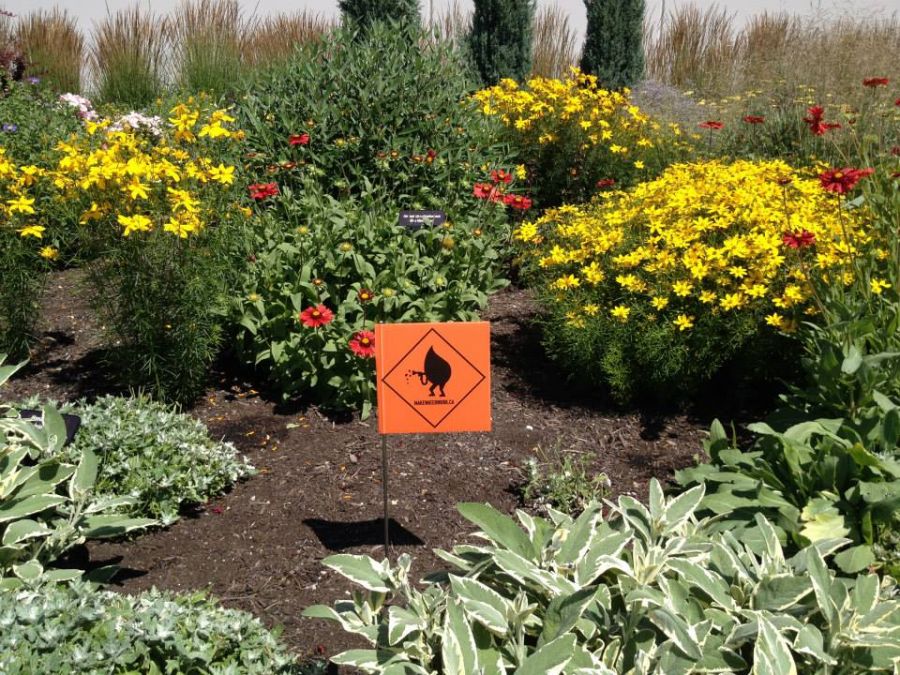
(452, 24)
(129, 56)
(703, 49)
(207, 44)
(274, 38)
(53, 47)
(555, 46)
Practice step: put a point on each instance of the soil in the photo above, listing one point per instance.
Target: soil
(260, 547)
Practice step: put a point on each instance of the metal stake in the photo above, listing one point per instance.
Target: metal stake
(384, 487)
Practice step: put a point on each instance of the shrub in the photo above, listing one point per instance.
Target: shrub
(162, 225)
(570, 133)
(563, 482)
(80, 630)
(362, 14)
(655, 288)
(614, 42)
(500, 39)
(351, 115)
(160, 458)
(647, 592)
(47, 506)
(353, 262)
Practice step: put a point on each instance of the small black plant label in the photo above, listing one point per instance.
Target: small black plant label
(416, 220)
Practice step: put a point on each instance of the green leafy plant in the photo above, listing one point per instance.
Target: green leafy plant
(77, 629)
(614, 42)
(647, 591)
(161, 458)
(563, 482)
(815, 481)
(500, 40)
(48, 506)
(352, 260)
(362, 14)
(357, 116)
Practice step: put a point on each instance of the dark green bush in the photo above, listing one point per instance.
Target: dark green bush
(613, 47)
(362, 14)
(383, 111)
(501, 39)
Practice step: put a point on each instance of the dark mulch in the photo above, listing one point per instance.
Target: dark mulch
(260, 547)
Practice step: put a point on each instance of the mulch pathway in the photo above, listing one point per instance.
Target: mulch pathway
(318, 492)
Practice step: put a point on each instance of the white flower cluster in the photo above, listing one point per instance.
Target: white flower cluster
(85, 108)
(136, 121)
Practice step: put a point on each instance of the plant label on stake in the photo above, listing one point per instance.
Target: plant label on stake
(431, 378)
(416, 220)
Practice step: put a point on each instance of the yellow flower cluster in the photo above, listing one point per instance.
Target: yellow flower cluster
(545, 110)
(704, 238)
(126, 177)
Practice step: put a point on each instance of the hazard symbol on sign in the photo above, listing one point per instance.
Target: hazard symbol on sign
(433, 377)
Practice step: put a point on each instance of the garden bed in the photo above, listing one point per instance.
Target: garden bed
(318, 492)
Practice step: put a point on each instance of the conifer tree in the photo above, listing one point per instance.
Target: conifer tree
(363, 13)
(613, 46)
(500, 40)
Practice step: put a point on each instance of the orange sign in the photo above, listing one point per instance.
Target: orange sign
(433, 377)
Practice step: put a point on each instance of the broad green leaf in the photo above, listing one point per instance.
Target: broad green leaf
(367, 659)
(86, 474)
(810, 641)
(563, 612)
(780, 592)
(458, 650)
(361, 570)
(677, 630)
(579, 537)
(28, 506)
(550, 659)
(853, 361)
(683, 506)
(28, 572)
(855, 559)
(772, 654)
(500, 528)
(106, 526)
(708, 583)
(822, 520)
(482, 603)
(865, 593)
(821, 581)
(402, 622)
(20, 530)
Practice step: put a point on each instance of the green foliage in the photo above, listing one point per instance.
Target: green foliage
(816, 481)
(21, 285)
(613, 47)
(77, 629)
(321, 251)
(647, 591)
(374, 117)
(501, 39)
(33, 121)
(47, 506)
(161, 458)
(563, 482)
(646, 358)
(362, 14)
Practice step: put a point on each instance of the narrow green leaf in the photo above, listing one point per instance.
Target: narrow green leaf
(500, 528)
(361, 570)
(550, 659)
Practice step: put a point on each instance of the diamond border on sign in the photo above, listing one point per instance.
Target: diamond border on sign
(434, 425)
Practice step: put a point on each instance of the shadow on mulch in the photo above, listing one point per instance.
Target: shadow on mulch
(338, 536)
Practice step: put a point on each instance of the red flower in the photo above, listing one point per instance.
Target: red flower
(298, 139)
(501, 176)
(605, 183)
(314, 317)
(800, 239)
(260, 191)
(430, 156)
(487, 191)
(754, 119)
(897, 102)
(816, 123)
(895, 151)
(841, 181)
(363, 344)
(876, 82)
(711, 124)
(365, 295)
(517, 202)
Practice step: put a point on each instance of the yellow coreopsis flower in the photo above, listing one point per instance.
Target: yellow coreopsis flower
(222, 174)
(620, 312)
(684, 322)
(49, 253)
(21, 205)
(36, 231)
(135, 223)
(878, 285)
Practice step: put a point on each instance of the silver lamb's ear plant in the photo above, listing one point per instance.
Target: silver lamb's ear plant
(647, 591)
(46, 506)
